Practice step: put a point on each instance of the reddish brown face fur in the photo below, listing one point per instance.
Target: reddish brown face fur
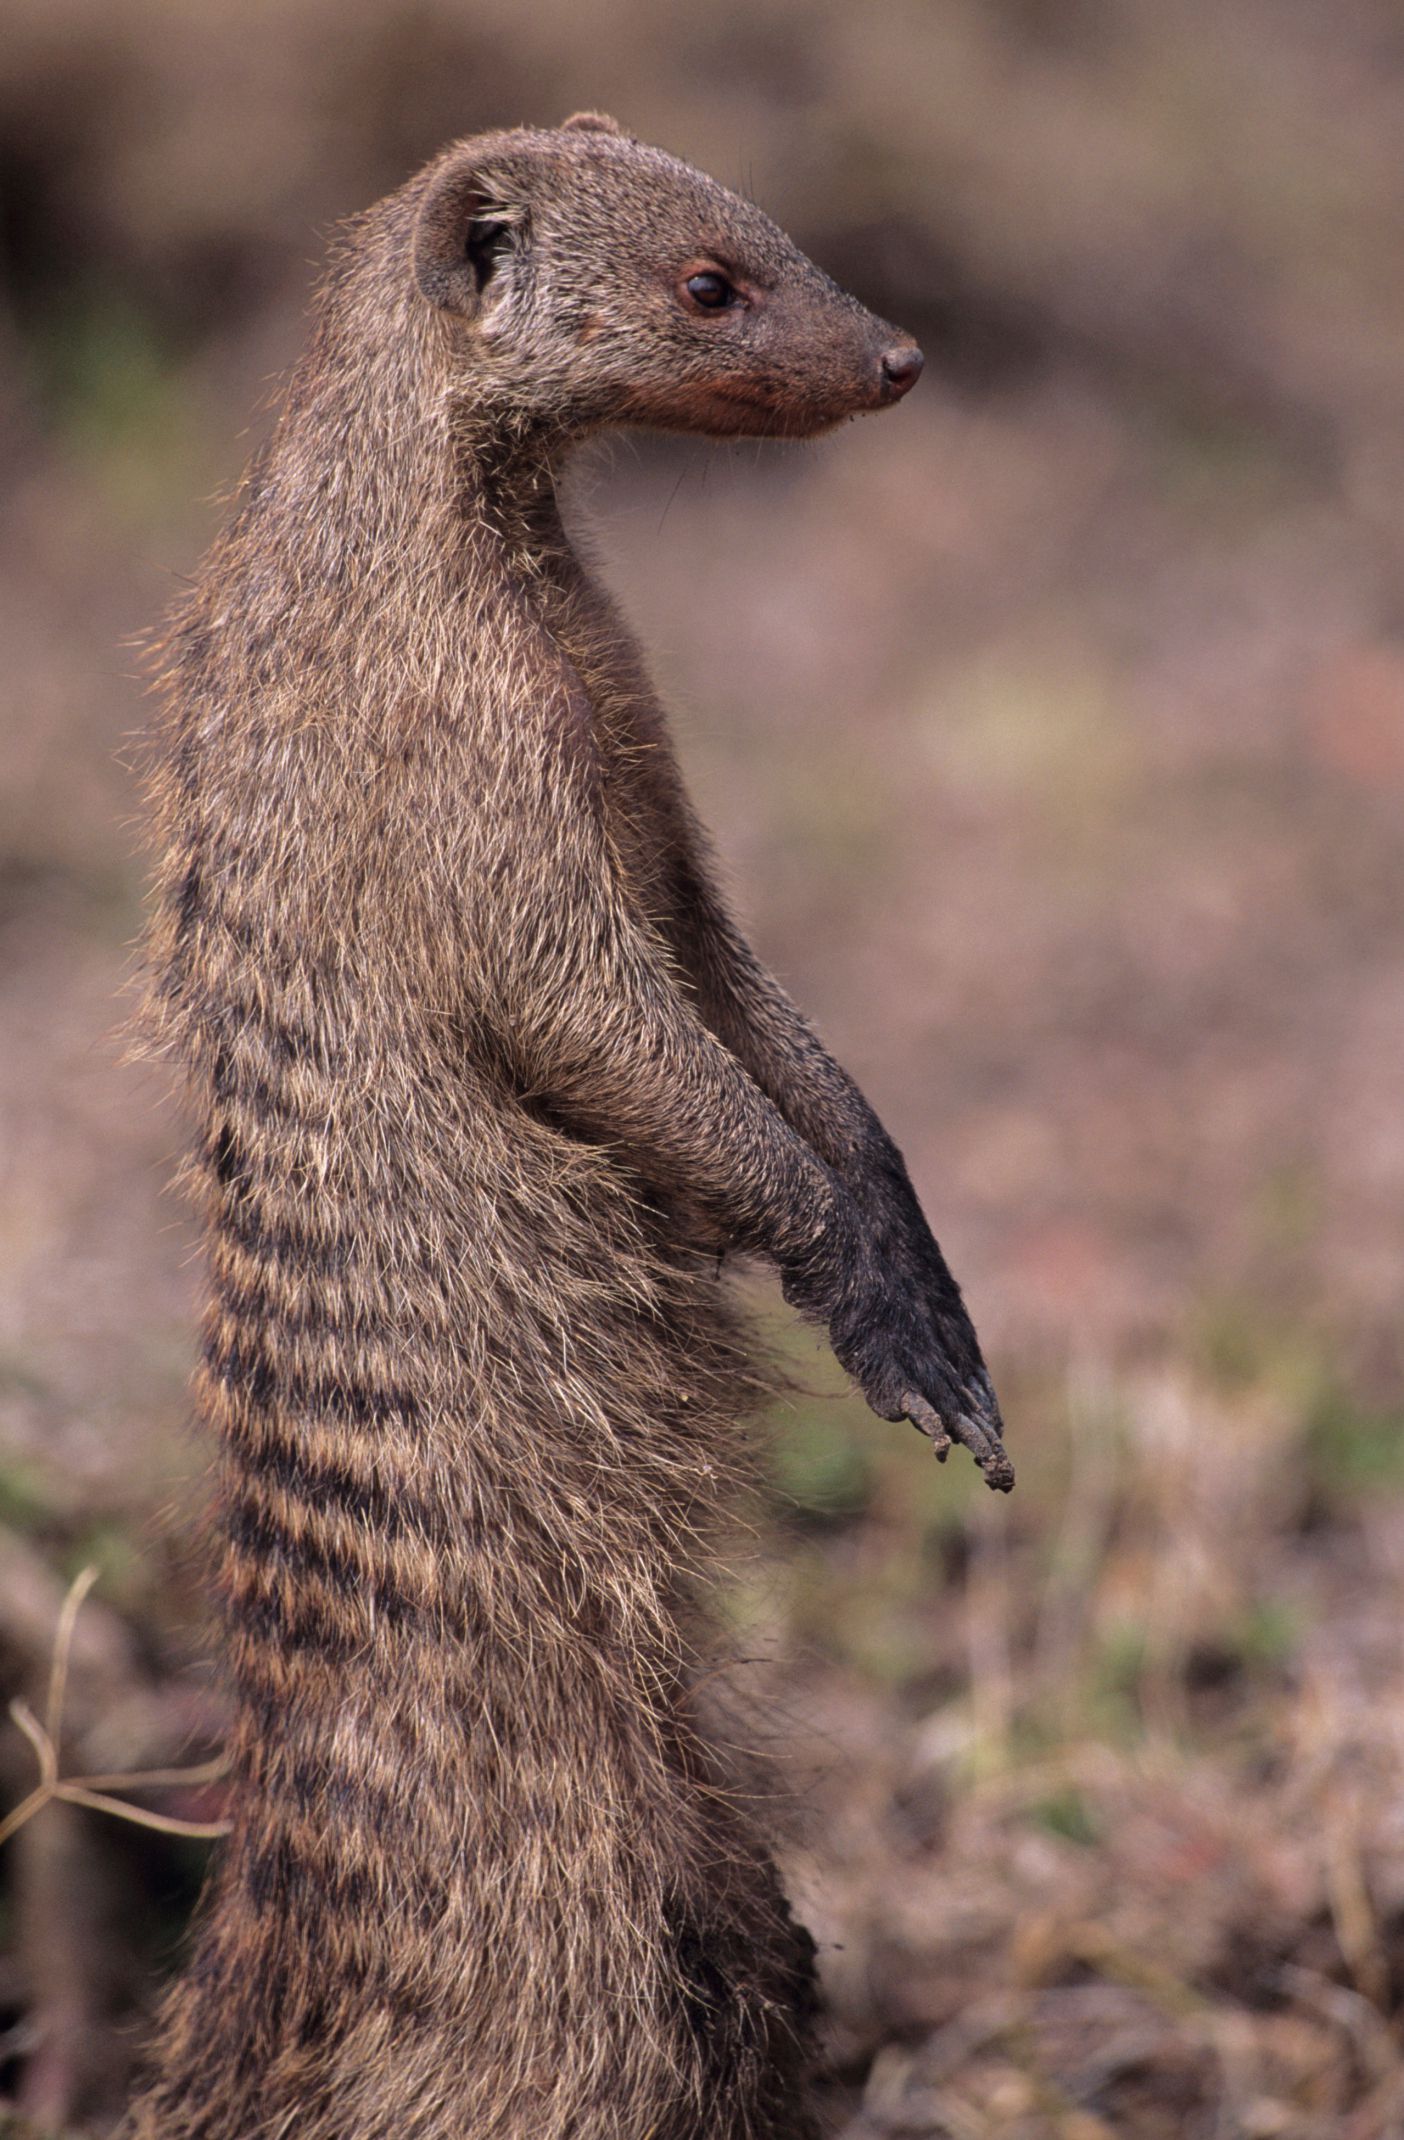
(644, 293)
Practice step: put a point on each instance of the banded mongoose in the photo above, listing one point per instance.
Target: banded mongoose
(485, 1080)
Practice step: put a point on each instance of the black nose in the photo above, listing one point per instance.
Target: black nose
(901, 369)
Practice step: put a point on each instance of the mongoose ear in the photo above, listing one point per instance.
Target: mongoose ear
(464, 229)
(591, 122)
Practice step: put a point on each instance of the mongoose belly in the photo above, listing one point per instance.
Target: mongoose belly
(455, 1571)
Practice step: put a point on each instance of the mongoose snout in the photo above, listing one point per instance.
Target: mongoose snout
(901, 369)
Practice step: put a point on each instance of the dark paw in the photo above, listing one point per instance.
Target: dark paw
(897, 1322)
(944, 1390)
(980, 1435)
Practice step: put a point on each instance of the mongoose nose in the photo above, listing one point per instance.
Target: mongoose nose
(901, 369)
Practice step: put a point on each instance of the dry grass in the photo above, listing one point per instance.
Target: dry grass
(1118, 1847)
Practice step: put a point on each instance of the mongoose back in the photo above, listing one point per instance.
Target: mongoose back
(485, 1081)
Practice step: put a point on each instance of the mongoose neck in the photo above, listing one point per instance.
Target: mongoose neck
(391, 451)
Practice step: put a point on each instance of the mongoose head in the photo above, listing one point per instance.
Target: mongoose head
(587, 280)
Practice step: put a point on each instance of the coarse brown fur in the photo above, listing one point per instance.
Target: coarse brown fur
(484, 1080)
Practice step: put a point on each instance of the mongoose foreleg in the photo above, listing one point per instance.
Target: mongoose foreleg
(733, 1103)
(920, 1321)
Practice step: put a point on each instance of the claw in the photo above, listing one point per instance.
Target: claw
(926, 1421)
(1000, 1474)
(984, 1436)
(983, 1442)
(982, 1389)
(982, 1406)
(989, 1453)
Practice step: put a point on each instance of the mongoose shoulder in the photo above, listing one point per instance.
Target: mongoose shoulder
(483, 1076)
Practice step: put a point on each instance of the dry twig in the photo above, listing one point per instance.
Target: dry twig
(94, 1792)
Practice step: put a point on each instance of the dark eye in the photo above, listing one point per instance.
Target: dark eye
(711, 291)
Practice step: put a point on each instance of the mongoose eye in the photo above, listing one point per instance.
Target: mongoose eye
(711, 292)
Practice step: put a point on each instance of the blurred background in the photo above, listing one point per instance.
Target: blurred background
(1052, 730)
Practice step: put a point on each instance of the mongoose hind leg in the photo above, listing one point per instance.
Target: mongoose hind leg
(750, 2003)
